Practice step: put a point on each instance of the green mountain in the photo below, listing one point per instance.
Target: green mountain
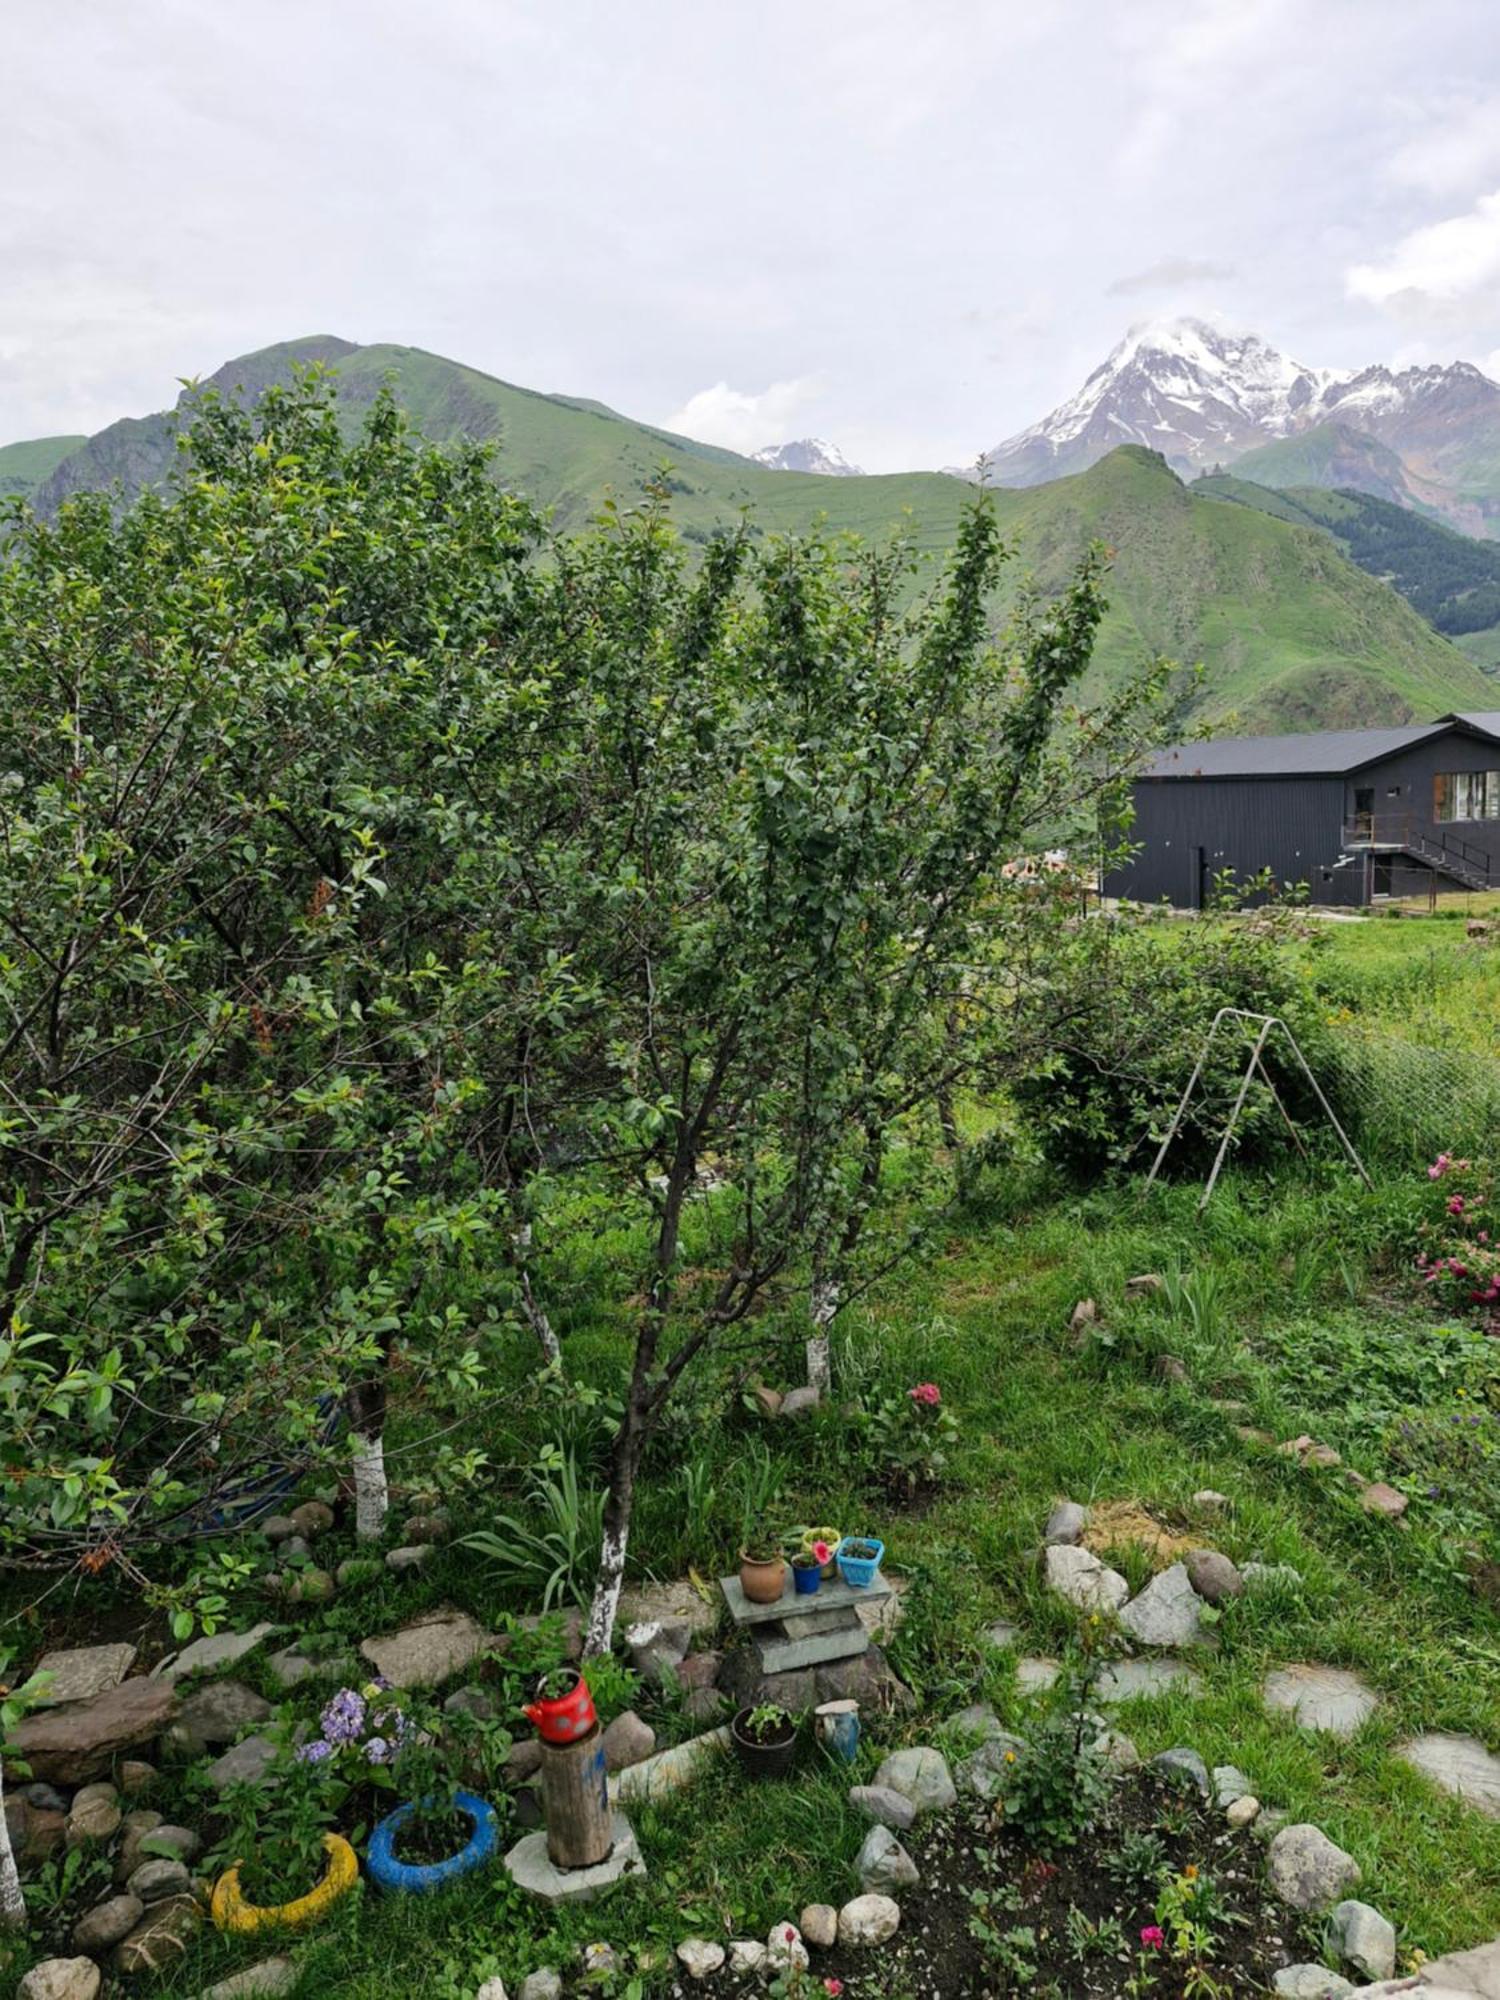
(1328, 455)
(1291, 634)
(1453, 580)
(25, 467)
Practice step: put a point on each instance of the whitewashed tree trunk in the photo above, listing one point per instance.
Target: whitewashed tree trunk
(372, 1493)
(606, 1602)
(531, 1306)
(825, 1305)
(12, 1902)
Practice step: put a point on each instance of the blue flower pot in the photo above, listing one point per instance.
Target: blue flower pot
(400, 1878)
(806, 1581)
(859, 1572)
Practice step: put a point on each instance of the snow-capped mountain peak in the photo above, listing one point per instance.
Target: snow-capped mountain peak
(807, 455)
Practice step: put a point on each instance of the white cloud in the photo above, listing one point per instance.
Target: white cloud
(1441, 264)
(1166, 274)
(743, 422)
(1458, 151)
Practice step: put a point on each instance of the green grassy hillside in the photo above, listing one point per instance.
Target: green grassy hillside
(1292, 635)
(23, 467)
(1328, 455)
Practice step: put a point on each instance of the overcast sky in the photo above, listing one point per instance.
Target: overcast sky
(910, 228)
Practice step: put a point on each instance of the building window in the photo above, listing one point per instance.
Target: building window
(1466, 795)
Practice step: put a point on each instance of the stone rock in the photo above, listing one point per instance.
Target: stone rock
(1309, 1982)
(94, 1816)
(1250, 1434)
(46, 1798)
(1002, 1635)
(356, 1571)
(1230, 1783)
(983, 1775)
(785, 1951)
(427, 1528)
(703, 1705)
(135, 1776)
(153, 1881)
(1146, 1286)
(1166, 1611)
(1084, 1315)
(1184, 1767)
(1270, 1576)
(1366, 1940)
(70, 1745)
(820, 1926)
(1169, 1368)
(295, 1549)
(312, 1518)
(1474, 1975)
(669, 1770)
(1135, 1680)
(401, 1561)
(175, 1843)
(699, 1670)
(768, 1399)
(866, 1678)
(207, 1656)
(1459, 1764)
(746, 1957)
(1036, 1674)
(978, 1719)
(628, 1741)
(312, 1586)
(269, 1980)
(1065, 1524)
(60, 1979)
(884, 1864)
(884, 1806)
(699, 1958)
(656, 1650)
(427, 1652)
(1209, 1501)
(1378, 1498)
(797, 1402)
(106, 1924)
(217, 1714)
(292, 1666)
(1078, 1576)
(35, 1832)
(869, 1920)
(1213, 1576)
(1243, 1812)
(1118, 1750)
(246, 1764)
(600, 1961)
(492, 1989)
(278, 1527)
(471, 1701)
(161, 1936)
(137, 1825)
(544, 1984)
(81, 1672)
(531, 1867)
(921, 1775)
(1268, 1823)
(1330, 1699)
(523, 1760)
(1307, 1870)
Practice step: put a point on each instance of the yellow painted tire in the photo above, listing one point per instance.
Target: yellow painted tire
(231, 1912)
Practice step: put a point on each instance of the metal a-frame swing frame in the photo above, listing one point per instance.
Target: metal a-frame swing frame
(1265, 1023)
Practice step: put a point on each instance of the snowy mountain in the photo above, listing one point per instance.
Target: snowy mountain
(1204, 397)
(807, 455)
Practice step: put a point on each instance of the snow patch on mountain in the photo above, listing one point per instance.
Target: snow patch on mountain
(807, 455)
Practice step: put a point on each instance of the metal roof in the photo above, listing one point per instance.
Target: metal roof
(1315, 753)
(1485, 720)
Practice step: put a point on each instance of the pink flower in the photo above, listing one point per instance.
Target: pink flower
(834, 1986)
(926, 1392)
(790, 1934)
(1456, 1204)
(1153, 1937)
(821, 1553)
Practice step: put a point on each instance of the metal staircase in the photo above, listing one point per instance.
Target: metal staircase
(1445, 854)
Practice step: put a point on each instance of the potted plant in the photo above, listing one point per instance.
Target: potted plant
(859, 1560)
(287, 1867)
(807, 1572)
(563, 1709)
(441, 1831)
(765, 1740)
(762, 1575)
(821, 1542)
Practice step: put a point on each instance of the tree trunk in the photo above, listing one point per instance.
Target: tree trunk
(12, 1902)
(535, 1313)
(824, 1306)
(372, 1494)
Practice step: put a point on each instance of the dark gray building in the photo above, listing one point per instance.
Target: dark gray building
(1356, 814)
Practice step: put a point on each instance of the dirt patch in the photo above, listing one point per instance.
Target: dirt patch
(1117, 1524)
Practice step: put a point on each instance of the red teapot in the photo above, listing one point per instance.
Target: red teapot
(562, 1718)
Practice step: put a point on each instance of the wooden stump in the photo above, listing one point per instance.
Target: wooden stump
(575, 1802)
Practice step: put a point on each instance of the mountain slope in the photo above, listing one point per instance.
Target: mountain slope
(807, 455)
(1291, 634)
(24, 467)
(1206, 398)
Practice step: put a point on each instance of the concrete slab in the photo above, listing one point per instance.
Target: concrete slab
(81, 1672)
(531, 1868)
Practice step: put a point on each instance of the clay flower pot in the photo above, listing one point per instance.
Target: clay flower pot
(231, 1912)
(762, 1578)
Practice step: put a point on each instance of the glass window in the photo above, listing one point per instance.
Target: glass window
(1466, 795)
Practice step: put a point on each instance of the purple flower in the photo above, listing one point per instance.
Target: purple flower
(378, 1751)
(343, 1719)
(314, 1752)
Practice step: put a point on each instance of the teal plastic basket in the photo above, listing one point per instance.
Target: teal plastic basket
(859, 1572)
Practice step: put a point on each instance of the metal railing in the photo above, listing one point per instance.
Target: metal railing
(1439, 849)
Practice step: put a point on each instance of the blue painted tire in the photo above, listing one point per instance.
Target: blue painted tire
(401, 1878)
